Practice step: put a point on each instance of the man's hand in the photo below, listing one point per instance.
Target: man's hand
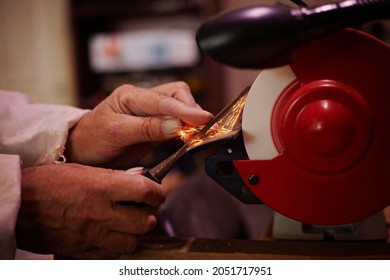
(119, 129)
(84, 212)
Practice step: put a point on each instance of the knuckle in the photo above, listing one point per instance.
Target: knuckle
(125, 93)
(151, 194)
(182, 85)
(125, 88)
(147, 222)
(144, 192)
(146, 128)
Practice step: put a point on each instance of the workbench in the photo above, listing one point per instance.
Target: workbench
(179, 248)
(207, 249)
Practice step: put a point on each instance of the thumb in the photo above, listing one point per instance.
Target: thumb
(150, 129)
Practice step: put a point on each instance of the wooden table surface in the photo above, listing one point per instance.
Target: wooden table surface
(191, 249)
(168, 248)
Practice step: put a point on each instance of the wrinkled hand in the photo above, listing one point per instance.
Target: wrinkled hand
(119, 129)
(79, 211)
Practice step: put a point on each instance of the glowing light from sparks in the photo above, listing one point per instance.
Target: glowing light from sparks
(227, 124)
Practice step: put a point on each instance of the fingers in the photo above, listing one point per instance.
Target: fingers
(128, 217)
(77, 210)
(135, 188)
(133, 219)
(156, 125)
(172, 107)
(111, 246)
(119, 242)
(130, 116)
(136, 129)
(142, 102)
(94, 242)
(131, 186)
(178, 90)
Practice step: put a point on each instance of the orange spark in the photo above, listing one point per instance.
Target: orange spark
(227, 124)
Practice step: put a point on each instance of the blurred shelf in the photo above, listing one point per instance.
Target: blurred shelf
(90, 17)
(104, 8)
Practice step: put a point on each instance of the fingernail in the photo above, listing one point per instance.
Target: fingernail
(208, 114)
(135, 170)
(170, 126)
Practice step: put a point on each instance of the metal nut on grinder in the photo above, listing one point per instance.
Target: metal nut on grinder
(253, 179)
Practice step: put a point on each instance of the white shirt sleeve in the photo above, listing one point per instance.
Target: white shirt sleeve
(30, 135)
(35, 132)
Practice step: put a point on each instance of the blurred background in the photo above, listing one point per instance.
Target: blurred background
(77, 51)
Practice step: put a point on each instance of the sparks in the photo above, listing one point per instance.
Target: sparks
(221, 128)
